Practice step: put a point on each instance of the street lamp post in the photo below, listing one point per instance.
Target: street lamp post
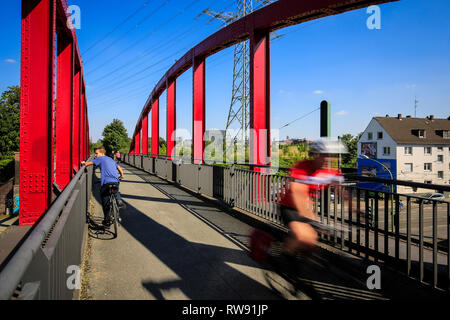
(392, 188)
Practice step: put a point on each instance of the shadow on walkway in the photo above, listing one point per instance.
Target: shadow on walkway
(181, 255)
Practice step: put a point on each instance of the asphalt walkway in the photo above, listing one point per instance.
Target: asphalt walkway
(164, 251)
(173, 245)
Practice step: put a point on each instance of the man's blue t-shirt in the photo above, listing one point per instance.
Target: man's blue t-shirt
(108, 168)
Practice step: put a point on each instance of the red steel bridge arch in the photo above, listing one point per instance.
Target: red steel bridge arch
(255, 27)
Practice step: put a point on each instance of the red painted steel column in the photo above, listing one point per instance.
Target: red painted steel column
(76, 120)
(260, 99)
(171, 118)
(155, 128)
(64, 112)
(36, 109)
(82, 133)
(198, 110)
(145, 135)
(137, 143)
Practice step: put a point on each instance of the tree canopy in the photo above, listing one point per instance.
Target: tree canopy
(115, 137)
(349, 159)
(9, 121)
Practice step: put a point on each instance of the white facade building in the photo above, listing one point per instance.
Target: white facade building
(413, 149)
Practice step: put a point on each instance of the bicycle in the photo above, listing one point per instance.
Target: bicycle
(114, 214)
(285, 275)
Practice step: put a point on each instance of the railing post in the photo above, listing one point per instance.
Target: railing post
(198, 110)
(36, 108)
(155, 128)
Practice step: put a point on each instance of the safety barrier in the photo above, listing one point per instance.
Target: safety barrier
(406, 232)
(46, 266)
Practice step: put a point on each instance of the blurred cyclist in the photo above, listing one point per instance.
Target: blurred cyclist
(308, 177)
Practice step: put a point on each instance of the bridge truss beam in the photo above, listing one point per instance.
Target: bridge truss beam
(44, 21)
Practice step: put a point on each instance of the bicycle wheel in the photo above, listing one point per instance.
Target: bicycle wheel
(113, 210)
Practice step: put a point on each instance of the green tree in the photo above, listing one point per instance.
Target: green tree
(115, 137)
(9, 121)
(349, 159)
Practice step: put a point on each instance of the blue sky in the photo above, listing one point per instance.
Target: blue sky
(363, 73)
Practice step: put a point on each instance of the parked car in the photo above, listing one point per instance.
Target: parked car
(431, 196)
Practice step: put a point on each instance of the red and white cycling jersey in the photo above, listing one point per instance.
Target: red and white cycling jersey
(303, 172)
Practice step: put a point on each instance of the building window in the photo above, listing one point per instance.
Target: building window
(440, 148)
(443, 133)
(428, 150)
(408, 150)
(428, 182)
(370, 135)
(421, 133)
(440, 174)
(427, 167)
(440, 158)
(386, 150)
(380, 135)
(408, 167)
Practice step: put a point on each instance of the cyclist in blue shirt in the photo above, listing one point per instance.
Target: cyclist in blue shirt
(109, 176)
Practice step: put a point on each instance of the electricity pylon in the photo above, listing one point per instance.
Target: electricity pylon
(240, 97)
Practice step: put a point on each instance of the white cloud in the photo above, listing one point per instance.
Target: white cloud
(10, 60)
(342, 113)
(318, 92)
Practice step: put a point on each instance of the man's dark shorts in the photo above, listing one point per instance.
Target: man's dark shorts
(289, 214)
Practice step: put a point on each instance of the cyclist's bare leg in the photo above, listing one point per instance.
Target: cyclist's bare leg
(302, 238)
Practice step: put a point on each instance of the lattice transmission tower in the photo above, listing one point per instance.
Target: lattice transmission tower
(240, 98)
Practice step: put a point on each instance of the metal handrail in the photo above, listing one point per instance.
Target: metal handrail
(16, 268)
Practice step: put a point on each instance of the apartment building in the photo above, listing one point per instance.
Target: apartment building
(405, 148)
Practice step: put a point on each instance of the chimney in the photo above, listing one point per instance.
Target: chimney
(399, 116)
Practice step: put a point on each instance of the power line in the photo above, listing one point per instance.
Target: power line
(117, 27)
(304, 116)
(136, 60)
(129, 30)
(153, 31)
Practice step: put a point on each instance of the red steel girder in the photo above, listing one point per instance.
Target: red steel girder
(64, 111)
(137, 143)
(155, 128)
(171, 118)
(36, 109)
(260, 98)
(198, 110)
(145, 136)
(76, 119)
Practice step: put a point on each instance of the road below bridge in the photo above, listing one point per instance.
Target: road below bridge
(173, 245)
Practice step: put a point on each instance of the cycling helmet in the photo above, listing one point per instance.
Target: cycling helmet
(327, 146)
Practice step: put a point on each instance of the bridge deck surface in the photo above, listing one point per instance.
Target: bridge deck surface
(173, 245)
